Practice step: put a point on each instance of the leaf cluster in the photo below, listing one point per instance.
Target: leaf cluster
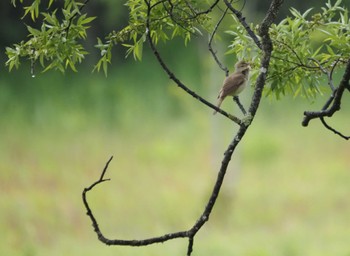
(306, 47)
(168, 19)
(56, 44)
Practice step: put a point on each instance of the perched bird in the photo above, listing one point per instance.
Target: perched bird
(234, 83)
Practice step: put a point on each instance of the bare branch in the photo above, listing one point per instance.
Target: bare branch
(105, 169)
(177, 81)
(213, 53)
(190, 245)
(107, 241)
(333, 130)
(239, 104)
(196, 14)
(333, 104)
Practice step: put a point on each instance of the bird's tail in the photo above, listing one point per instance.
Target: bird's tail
(218, 105)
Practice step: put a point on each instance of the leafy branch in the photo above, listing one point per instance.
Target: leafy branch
(56, 44)
(169, 19)
(299, 63)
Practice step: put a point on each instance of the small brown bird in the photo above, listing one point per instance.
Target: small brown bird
(234, 83)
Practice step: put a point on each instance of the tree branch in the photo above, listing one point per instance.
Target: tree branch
(218, 62)
(213, 53)
(239, 104)
(177, 81)
(266, 47)
(329, 74)
(241, 19)
(196, 14)
(333, 130)
(333, 104)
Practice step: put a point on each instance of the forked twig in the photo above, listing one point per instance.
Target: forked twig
(333, 104)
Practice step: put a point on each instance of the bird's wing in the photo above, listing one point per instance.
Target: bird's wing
(231, 83)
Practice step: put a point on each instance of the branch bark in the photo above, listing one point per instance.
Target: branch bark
(332, 105)
(266, 46)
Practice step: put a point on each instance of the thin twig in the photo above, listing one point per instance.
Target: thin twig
(179, 83)
(292, 50)
(244, 2)
(213, 53)
(241, 19)
(329, 74)
(333, 130)
(239, 104)
(171, 15)
(105, 169)
(197, 14)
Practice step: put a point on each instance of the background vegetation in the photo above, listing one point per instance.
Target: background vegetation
(287, 193)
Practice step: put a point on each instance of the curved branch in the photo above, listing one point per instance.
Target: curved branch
(333, 104)
(196, 14)
(176, 80)
(333, 130)
(266, 46)
(213, 53)
(107, 241)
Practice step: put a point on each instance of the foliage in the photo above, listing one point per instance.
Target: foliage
(306, 45)
(299, 58)
(56, 44)
(57, 41)
(168, 19)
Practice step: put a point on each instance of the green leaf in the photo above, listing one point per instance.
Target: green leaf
(317, 51)
(87, 20)
(295, 13)
(307, 12)
(330, 50)
(33, 31)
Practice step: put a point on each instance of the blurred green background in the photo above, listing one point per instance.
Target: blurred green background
(287, 190)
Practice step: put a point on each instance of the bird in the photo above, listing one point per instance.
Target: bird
(234, 83)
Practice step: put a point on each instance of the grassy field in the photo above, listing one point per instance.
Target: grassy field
(287, 191)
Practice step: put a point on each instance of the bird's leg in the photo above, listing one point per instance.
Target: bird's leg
(236, 99)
